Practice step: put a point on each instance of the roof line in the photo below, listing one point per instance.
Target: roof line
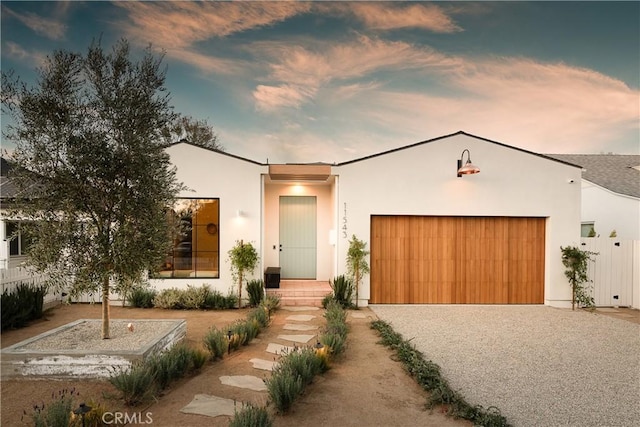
(224, 153)
(460, 132)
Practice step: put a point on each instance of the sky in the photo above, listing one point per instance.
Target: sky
(336, 81)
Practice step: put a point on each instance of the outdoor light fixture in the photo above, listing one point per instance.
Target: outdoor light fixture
(229, 335)
(468, 168)
(82, 410)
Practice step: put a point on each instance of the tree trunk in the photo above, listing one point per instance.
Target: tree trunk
(105, 309)
(357, 277)
(240, 289)
(240, 278)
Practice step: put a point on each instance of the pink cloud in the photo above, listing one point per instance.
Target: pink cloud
(180, 24)
(388, 16)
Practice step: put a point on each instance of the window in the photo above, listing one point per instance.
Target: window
(18, 242)
(587, 229)
(196, 248)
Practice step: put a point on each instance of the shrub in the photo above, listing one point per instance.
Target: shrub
(198, 359)
(142, 297)
(171, 299)
(283, 388)
(216, 342)
(343, 290)
(21, 306)
(303, 363)
(57, 412)
(255, 290)
(259, 315)
(427, 374)
(136, 384)
(215, 300)
(327, 300)
(271, 303)
(170, 365)
(335, 334)
(251, 416)
(336, 343)
(231, 300)
(195, 298)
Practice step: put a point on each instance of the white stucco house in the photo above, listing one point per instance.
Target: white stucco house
(434, 236)
(610, 193)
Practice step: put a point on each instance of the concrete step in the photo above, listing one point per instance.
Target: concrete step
(301, 292)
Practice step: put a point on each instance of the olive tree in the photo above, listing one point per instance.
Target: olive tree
(94, 178)
(196, 131)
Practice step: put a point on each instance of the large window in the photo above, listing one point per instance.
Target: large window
(196, 247)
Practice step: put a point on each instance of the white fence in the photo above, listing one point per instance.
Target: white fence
(615, 271)
(12, 277)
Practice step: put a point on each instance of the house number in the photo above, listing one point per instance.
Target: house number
(344, 223)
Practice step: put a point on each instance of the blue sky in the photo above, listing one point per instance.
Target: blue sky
(335, 81)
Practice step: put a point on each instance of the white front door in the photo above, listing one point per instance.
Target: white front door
(298, 237)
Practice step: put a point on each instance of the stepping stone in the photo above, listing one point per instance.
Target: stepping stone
(299, 327)
(279, 348)
(358, 315)
(299, 308)
(244, 381)
(212, 406)
(296, 338)
(265, 365)
(301, 317)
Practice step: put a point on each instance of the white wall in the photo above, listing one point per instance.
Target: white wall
(610, 211)
(325, 222)
(237, 183)
(421, 180)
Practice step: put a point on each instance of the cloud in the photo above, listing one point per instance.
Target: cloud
(16, 51)
(47, 27)
(207, 63)
(544, 107)
(181, 24)
(386, 16)
(310, 71)
(269, 98)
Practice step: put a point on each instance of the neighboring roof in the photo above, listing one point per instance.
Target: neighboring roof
(619, 173)
(454, 134)
(7, 187)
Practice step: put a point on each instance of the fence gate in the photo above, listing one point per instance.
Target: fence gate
(614, 272)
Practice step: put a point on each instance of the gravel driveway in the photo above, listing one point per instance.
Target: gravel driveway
(540, 366)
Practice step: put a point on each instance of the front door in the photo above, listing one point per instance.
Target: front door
(298, 237)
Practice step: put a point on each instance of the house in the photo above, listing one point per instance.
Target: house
(610, 194)
(12, 252)
(435, 236)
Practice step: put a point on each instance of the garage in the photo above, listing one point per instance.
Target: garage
(457, 260)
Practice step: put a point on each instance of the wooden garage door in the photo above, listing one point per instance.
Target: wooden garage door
(457, 260)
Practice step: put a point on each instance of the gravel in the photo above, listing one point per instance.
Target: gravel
(541, 366)
(85, 336)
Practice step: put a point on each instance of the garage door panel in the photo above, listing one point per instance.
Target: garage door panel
(494, 260)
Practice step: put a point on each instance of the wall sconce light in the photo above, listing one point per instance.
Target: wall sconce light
(468, 168)
(239, 213)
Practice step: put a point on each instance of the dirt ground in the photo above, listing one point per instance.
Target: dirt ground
(364, 387)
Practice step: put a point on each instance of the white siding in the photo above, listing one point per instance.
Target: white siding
(421, 180)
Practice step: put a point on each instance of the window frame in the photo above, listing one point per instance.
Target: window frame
(194, 272)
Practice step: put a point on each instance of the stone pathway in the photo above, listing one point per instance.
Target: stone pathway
(214, 406)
